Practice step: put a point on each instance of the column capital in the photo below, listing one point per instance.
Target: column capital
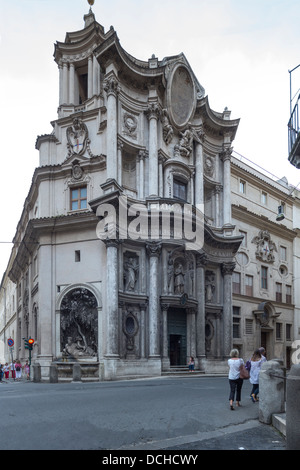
(153, 111)
(201, 260)
(226, 153)
(228, 268)
(111, 86)
(153, 249)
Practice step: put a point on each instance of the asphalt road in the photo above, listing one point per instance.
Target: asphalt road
(189, 413)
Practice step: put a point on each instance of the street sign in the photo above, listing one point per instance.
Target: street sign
(10, 342)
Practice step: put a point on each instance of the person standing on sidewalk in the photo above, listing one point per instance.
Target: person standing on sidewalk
(18, 368)
(256, 362)
(235, 382)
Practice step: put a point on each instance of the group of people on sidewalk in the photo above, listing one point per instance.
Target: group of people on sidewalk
(15, 370)
(236, 379)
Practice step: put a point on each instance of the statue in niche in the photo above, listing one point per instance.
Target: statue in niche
(210, 286)
(185, 146)
(131, 268)
(170, 271)
(79, 324)
(179, 279)
(167, 128)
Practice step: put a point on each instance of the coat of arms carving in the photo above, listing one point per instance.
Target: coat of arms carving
(77, 136)
(265, 247)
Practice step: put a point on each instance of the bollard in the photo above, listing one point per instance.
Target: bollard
(271, 391)
(76, 372)
(293, 409)
(53, 373)
(36, 372)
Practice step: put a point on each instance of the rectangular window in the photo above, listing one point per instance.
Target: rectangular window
(264, 198)
(288, 332)
(288, 294)
(278, 292)
(249, 285)
(77, 256)
(236, 330)
(283, 253)
(179, 190)
(278, 331)
(264, 277)
(242, 186)
(78, 198)
(236, 283)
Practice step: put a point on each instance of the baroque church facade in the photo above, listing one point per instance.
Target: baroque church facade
(124, 253)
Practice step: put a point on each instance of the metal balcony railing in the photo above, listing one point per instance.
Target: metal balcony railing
(293, 126)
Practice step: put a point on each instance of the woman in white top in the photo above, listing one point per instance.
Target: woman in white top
(235, 381)
(256, 362)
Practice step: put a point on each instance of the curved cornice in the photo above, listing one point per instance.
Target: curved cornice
(215, 121)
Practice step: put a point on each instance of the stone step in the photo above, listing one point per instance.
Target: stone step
(279, 422)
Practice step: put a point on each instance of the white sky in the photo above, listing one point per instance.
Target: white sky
(240, 51)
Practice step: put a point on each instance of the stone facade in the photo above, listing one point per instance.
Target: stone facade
(265, 297)
(129, 295)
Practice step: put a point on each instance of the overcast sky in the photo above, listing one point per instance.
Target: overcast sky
(240, 50)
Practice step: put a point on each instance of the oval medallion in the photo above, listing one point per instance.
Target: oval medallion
(181, 96)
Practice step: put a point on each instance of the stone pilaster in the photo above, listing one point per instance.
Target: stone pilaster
(111, 86)
(227, 270)
(154, 250)
(153, 116)
(200, 318)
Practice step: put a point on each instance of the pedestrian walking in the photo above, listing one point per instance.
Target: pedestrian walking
(263, 354)
(256, 362)
(6, 371)
(191, 364)
(1, 372)
(235, 382)
(27, 370)
(18, 369)
(13, 370)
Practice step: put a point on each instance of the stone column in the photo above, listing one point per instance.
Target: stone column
(199, 191)
(293, 409)
(72, 84)
(227, 270)
(142, 156)
(271, 391)
(119, 161)
(217, 192)
(154, 250)
(65, 93)
(164, 308)
(200, 317)
(226, 158)
(60, 69)
(112, 89)
(112, 288)
(153, 116)
(96, 76)
(90, 76)
(143, 330)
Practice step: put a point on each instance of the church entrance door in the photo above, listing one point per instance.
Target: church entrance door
(177, 336)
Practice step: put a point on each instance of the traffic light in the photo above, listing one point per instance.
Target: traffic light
(28, 343)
